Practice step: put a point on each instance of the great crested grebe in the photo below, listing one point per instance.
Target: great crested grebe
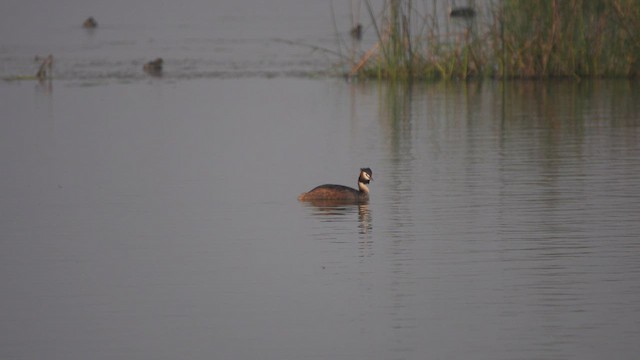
(340, 193)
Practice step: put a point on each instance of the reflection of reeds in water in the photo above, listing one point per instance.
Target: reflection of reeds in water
(365, 224)
(508, 38)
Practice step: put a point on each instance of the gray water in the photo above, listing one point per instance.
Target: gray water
(156, 217)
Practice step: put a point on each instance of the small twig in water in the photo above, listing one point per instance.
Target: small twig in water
(47, 64)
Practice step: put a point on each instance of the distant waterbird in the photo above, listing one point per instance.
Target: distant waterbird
(153, 67)
(462, 12)
(356, 32)
(90, 23)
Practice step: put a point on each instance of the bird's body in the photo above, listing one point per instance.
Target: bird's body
(90, 23)
(356, 32)
(341, 193)
(153, 67)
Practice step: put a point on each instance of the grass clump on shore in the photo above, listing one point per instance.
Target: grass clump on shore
(506, 39)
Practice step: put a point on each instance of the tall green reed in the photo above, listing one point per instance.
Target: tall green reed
(506, 39)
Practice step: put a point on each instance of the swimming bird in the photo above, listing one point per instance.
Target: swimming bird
(153, 67)
(341, 193)
(90, 23)
(356, 32)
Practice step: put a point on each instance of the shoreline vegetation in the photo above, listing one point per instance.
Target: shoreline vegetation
(508, 39)
(493, 39)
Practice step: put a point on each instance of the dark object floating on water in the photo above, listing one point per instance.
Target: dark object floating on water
(340, 193)
(356, 32)
(47, 64)
(462, 12)
(153, 67)
(90, 23)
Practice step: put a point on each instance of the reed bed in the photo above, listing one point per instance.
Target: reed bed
(505, 39)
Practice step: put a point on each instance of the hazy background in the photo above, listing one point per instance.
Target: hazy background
(156, 217)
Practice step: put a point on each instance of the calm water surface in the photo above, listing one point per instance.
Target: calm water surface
(157, 217)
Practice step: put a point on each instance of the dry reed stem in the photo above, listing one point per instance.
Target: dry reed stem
(364, 59)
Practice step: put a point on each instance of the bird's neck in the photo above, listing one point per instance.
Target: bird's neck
(363, 187)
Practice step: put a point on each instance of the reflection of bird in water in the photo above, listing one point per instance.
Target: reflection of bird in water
(338, 214)
(364, 219)
(331, 193)
(153, 67)
(90, 23)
